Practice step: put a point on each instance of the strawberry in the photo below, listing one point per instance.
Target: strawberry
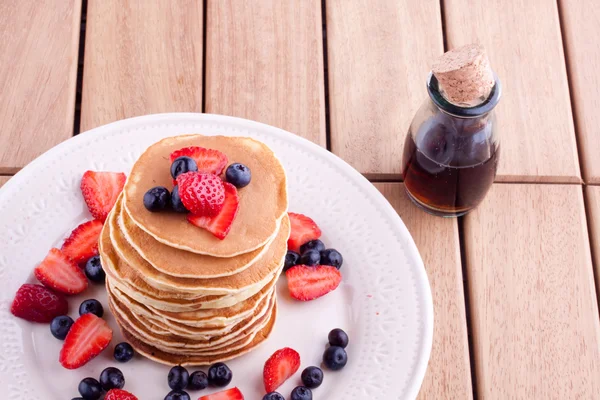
(221, 223)
(100, 191)
(119, 394)
(303, 229)
(209, 161)
(279, 367)
(229, 394)
(88, 336)
(308, 283)
(82, 244)
(38, 304)
(60, 273)
(201, 194)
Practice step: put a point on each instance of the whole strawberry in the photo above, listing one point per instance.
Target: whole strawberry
(202, 194)
(119, 394)
(37, 304)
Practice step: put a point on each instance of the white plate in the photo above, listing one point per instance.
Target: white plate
(384, 301)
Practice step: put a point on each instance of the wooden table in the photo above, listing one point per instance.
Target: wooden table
(516, 311)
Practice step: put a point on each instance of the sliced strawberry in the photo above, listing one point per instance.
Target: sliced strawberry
(229, 394)
(308, 282)
(209, 161)
(59, 272)
(201, 194)
(88, 336)
(119, 394)
(303, 229)
(38, 304)
(220, 224)
(82, 244)
(279, 367)
(100, 191)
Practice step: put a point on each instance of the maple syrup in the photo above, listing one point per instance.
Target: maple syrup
(451, 151)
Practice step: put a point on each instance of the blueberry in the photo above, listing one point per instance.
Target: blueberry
(77, 398)
(273, 396)
(123, 352)
(90, 389)
(310, 257)
(181, 165)
(219, 375)
(91, 306)
(177, 395)
(291, 258)
(301, 393)
(332, 257)
(198, 381)
(178, 378)
(335, 358)
(176, 203)
(312, 377)
(238, 175)
(112, 378)
(338, 337)
(60, 326)
(157, 199)
(94, 271)
(312, 245)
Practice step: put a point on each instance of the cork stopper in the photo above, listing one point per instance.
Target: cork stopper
(464, 75)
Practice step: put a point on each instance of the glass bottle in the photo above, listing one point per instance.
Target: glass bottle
(451, 152)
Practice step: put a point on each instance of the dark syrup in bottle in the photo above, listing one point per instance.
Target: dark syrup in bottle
(452, 164)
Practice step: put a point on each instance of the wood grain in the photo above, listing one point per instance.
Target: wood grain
(3, 180)
(593, 213)
(379, 54)
(264, 61)
(141, 59)
(38, 74)
(580, 24)
(534, 313)
(448, 374)
(534, 117)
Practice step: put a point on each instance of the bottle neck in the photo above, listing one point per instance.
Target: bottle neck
(461, 111)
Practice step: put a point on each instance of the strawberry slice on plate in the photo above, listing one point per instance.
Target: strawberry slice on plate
(280, 367)
(36, 303)
(88, 336)
(82, 243)
(201, 194)
(57, 271)
(220, 224)
(308, 283)
(119, 394)
(209, 161)
(229, 394)
(303, 229)
(100, 191)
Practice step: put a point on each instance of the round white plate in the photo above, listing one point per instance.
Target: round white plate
(384, 302)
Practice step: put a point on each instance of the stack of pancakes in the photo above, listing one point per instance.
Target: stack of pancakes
(179, 294)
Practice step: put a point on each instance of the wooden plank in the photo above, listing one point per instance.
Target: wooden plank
(141, 59)
(580, 28)
(379, 54)
(38, 76)
(534, 313)
(535, 121)
(264, 61)
(593, 212)
(448, 374)
(3, 180)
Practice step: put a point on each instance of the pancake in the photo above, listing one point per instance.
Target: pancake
(263, 267)
(206, 337)
(262, 203)
(164, 357)
(183, 264)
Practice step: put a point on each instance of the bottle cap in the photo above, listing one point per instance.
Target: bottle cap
(464, 75)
